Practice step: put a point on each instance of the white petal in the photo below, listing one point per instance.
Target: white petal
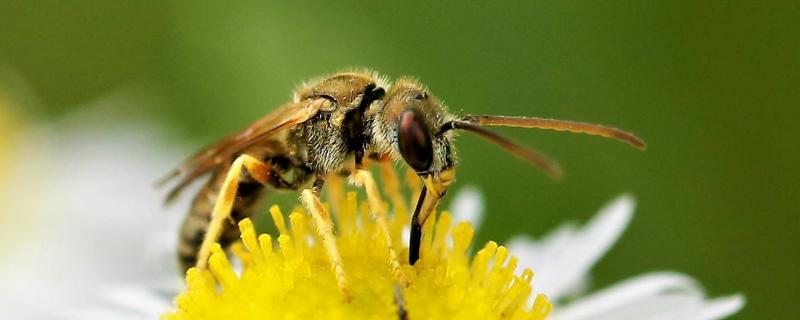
(622, 294)
(81, 314)
(102, 219)
(656, 296)
(563, 258)
(720, 308)
(139, 299)
(468, 205)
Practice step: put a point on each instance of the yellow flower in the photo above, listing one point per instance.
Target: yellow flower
(290, 278)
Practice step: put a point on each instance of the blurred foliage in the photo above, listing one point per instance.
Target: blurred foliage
(712, 86)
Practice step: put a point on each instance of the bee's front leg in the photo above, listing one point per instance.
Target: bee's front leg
(363, 178)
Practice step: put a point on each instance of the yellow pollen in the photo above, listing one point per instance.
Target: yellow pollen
(292, 279)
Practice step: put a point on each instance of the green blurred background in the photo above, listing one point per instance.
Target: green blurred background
(711, 85)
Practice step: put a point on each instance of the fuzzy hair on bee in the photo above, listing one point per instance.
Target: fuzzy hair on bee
(328, 127)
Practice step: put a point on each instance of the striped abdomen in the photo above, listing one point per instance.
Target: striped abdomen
(196, 222)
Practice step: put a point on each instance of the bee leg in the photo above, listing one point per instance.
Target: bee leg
(414, 184)
(400, 301)
(324, 224)
(335, 186)
(377, 207)
(259, 171)
(392, 187)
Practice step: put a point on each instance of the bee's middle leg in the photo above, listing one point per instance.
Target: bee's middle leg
(310, 199)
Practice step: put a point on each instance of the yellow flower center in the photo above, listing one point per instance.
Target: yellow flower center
(293, 279)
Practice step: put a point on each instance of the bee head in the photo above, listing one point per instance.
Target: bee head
(410, 122)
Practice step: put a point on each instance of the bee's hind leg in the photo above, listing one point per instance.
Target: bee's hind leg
(322, 219)
(259, 171)
(364, 178)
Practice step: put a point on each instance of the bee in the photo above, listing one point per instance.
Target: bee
(329, 127)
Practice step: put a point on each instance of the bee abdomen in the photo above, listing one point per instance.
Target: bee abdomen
(195, 225)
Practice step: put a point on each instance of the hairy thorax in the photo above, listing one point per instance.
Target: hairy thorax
(318, 143)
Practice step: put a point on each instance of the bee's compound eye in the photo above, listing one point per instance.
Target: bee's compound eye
(414, 140)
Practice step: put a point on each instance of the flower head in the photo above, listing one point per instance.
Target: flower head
(121, 266)
(289, 277)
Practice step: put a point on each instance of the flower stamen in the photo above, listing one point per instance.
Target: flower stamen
(292, 279)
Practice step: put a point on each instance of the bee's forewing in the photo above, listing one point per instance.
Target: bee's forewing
(226, 149)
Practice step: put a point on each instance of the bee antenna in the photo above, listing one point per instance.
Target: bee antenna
(558, 125)
(534, 157)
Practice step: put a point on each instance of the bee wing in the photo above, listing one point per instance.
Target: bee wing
(226, 149)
